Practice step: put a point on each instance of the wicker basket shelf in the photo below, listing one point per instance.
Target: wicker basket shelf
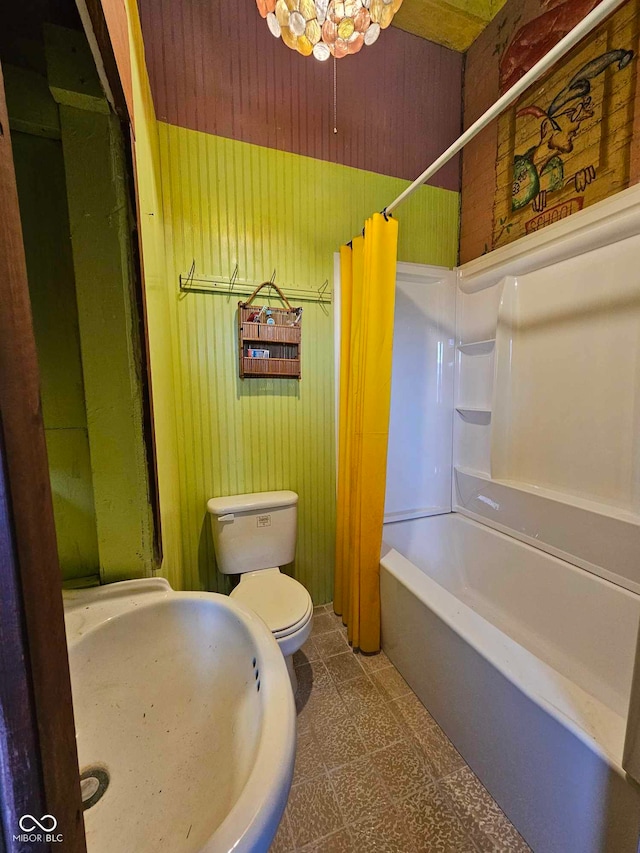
(263, 332)
(281, 338)
(285, 367)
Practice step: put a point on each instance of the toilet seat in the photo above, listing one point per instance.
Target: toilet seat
(287, 632)
(282, 602)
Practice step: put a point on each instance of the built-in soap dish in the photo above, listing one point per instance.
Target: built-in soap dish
(474, 415)
(477, 347)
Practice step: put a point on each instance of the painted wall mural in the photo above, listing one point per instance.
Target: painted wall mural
(566, 143)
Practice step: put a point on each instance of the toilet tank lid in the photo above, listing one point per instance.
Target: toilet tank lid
(249, 503)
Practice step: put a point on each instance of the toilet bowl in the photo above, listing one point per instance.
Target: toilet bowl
(253, 535)
(284, 604)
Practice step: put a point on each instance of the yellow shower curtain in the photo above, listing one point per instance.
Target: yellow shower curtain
(367, 284)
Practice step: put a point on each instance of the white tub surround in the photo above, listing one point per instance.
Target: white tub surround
(522, 645)
(421, 415)
(592, 535)
(526, 662)
(552, 357)
(419, 482)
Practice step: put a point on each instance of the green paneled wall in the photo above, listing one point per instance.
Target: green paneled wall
(45, 227)
(74, 207)
(94, 150)
(228, 202)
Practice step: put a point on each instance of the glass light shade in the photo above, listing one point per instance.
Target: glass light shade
(274, 25)
(325, 28)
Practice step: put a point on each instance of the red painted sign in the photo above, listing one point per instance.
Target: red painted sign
(554, 214)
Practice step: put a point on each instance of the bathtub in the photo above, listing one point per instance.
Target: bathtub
(526, 662)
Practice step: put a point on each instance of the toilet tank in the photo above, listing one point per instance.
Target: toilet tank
(256, 531)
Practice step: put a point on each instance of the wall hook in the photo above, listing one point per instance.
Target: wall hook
(234, 276)
(184, 286)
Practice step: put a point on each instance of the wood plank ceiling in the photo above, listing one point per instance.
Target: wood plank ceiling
(453, 23)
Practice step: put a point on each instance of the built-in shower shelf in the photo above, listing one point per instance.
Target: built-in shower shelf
(477, 347)
(596, 536)
(474, 415)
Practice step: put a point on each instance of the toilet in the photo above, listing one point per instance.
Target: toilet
(253, 535)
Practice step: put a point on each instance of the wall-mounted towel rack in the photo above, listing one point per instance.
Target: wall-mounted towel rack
(192, 283)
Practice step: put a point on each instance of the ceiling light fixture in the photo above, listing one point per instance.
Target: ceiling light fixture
(327, 28)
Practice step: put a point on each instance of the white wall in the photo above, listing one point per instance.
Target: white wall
(420, 428)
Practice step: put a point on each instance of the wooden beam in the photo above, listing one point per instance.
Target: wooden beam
(97, 31)
(20, 772)
(453, 23)
(44, 680)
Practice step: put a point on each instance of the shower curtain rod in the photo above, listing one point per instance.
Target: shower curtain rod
(564, 46)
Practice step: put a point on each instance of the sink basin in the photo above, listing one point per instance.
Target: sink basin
(185, 720)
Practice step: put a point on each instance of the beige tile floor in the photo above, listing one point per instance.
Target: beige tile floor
(374, 771)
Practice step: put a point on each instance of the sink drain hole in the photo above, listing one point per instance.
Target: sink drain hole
(93, 783)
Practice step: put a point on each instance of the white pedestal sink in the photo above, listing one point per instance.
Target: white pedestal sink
(183, 705)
